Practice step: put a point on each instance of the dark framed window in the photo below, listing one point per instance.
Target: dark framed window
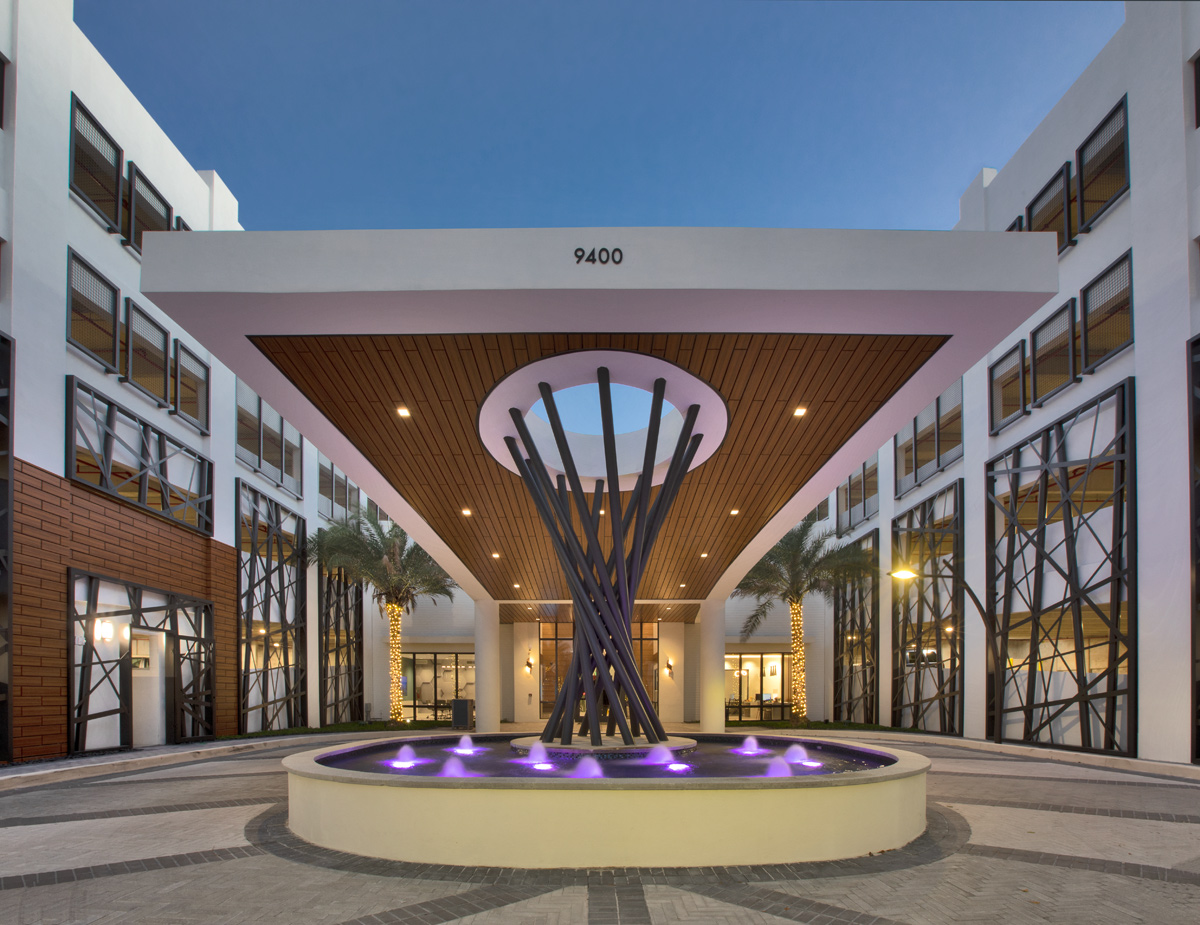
(1107, 313)
(823, 510)
(92, 306)
(147, 210)
(1050, 209)
(181, 225)
(95, 165)
(266, 442)
(1103, 161)
(1052, 349)
(931, 441)
(338, 495)
(111, 449)
(3, 75)
(949, 434)
(147, 353)
(1006, 388)
(858, 496)
(191, 388)
(1018, 224)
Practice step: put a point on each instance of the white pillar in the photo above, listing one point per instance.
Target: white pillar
(670, 680)
(487, 665)
(712, 666)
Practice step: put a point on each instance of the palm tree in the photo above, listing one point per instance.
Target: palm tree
(803, 562)
(397, 569)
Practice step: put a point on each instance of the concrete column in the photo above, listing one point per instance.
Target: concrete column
(670, 682)
(487, 665)
(712, 666)
(526, 684)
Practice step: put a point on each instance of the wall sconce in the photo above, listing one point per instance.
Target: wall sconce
(670, 669)
(529, 663)
(774, 671)
(104, 631)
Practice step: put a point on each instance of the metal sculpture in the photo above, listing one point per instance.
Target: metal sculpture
(603, 673)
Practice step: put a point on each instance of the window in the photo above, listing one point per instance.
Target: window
(119, 453)
(147, 348)
(858, 496)
(1103, 166)
(146, 210)
(1107, 321)
(1050, 209)
(823, 510)
(339, 496)
(191, 388)
(931, 441)
(267, 442)
(181, 225)
(1018, 224)
(1006, 383)
(1052, 345)
(3, 74)
(95, 165)
(92, 312)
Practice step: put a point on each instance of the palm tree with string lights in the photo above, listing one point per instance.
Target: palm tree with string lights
(397, 570)
(805, 561)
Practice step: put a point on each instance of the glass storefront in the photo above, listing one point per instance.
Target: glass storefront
(758, 686)
(433, 679)
(557, 646)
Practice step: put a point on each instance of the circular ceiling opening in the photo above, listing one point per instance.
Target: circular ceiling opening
(579, 408)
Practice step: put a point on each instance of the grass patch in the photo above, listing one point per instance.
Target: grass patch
(380, 726)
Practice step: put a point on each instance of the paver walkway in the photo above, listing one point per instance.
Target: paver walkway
(1010, 839)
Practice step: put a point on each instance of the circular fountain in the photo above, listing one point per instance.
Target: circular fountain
(723, 801)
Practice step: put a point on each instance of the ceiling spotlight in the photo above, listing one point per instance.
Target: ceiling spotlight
(529, 608)
(495, 555)
(516, 586)
(703, 555)
(466, 512)
(403, 412)
(682, 585)
(601, 510)
(733, 513)
(799, 412)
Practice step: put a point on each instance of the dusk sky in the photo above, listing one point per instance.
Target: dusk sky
(394, 114)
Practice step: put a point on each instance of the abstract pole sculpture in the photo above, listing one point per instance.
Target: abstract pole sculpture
(604, 671)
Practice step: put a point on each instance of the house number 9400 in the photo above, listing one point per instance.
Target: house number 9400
(599, 255)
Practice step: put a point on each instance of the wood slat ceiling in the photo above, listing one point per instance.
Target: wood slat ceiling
(437, 463)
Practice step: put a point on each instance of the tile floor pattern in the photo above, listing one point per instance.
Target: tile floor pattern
(1010, 840)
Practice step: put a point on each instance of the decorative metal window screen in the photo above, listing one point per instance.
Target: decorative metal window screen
(1108, 314)
(1053, 346)
(341, 626)
(116, 451)
(927, 624)
(92, 307)
(1061, 573)
(148, 211)
(856, 645)
(1050, 211)
(103, 611)
(191, 387)
(1006, 380)
(148, 349)
(95, 165)
(1104, 166)
(272, 613)
(6, 546)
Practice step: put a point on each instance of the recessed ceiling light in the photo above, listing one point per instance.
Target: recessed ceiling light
(403, 412)
(668, 608)
(800, 412)
(734, 512)
(703, 555)
(682, 585)
(660, 619)
(529, 608)
(466, 512)
(495, 555)
(516, 586)
(601, 510)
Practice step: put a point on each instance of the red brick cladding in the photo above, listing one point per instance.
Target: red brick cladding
(57, 524)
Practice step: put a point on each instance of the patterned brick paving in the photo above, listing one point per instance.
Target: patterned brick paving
(258, 872)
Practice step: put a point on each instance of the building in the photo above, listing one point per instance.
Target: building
(1055, 481)
(158, 586)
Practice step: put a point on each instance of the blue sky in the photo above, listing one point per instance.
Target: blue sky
(465, 113)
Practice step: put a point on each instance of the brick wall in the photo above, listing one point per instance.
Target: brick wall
(57, 524)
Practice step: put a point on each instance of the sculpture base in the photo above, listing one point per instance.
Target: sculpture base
(609, 747)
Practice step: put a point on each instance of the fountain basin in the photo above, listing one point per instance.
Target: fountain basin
(665, 821)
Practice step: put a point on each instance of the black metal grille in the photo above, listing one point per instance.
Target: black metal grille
(1006, 380)
(1108, 313)
(6, 545)
(92, 306)
(856, 645)
(340, 602)
(272, 613)
(103, 611)
(1061, 574)
(1053, 348)
(1104, 166)
(927, 612)
(95, 164)
(116, 451)
(148, 348)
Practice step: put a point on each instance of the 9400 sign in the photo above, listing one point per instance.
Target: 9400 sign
(599, 255)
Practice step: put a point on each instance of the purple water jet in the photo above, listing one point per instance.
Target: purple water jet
(660, 754)
(465, 747)
(778, 767)
(796, 754)
(588, 767)
(453, 768)
(750, 748)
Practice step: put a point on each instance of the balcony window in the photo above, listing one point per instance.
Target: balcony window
(1107, 321)
(1050, 209)
(147, 347)
(92, 308)
(1052, 345)
(339, 496)
(950, 424)
(1103, 166)
(271, 462)
(858, 496)
(906, 469)
(95, 165)
(930, 441)
(1006, 379)
(293, 463)
(191, 388)
(146, 209)
(248, 424)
